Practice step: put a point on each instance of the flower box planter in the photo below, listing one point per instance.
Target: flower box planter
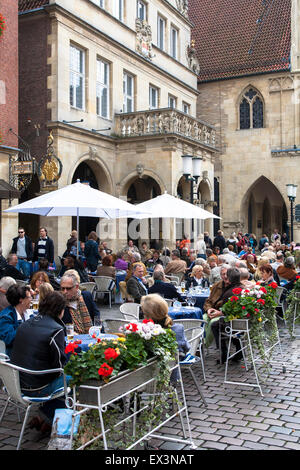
(239, 324)
(96, 392)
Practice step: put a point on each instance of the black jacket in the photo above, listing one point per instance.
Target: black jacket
(28, 247)
(191, 282)
(219, 241)
(166, 289)
(39, 345)
(13, 272)
(49, 247)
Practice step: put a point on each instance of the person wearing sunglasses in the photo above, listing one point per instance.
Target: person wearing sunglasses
(22, 247)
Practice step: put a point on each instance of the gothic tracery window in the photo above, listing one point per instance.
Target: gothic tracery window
(251, 110)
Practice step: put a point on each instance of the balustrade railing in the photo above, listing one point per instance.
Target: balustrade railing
(164, 121)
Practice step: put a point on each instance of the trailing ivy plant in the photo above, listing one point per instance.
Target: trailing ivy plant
(293, 300)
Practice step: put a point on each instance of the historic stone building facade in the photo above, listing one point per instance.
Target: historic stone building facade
(110, 88)
(248, 85)
(8, 105)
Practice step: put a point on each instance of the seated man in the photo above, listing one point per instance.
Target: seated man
(137, 285)
(176, 265)
(11, 269)
(5, 283)
(76, 311)
(287, 271)
(166, 289)
(19, 299)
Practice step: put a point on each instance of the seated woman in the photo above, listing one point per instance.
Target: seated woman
(196, 278)
(120, 263)
(156, 308)
(70, 262)
(214, 314)
(45, 289)
(107, 268)
(37, 280)
(39, 345)
(267, 277)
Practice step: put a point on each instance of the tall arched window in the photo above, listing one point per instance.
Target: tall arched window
(251, 110)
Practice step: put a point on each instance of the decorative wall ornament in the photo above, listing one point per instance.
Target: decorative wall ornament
(192, 59)
(183, 6)
(49, 167)
(140, 169)
(143, 38)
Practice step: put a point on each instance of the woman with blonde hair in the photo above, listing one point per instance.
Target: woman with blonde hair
(45, 289)
(154, 307)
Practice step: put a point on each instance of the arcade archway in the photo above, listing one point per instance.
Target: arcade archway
(263, 208)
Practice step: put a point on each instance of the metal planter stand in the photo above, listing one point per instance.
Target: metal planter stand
(296, 314)
(99, 397)
(240, 329)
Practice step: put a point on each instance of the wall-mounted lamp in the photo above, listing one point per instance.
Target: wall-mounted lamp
(100, 130)
(69, 122)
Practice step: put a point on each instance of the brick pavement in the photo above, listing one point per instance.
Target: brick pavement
(236, 417)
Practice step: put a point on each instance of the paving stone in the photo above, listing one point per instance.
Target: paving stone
(254, 445)
(292, 446)
(249, 437)
(272, 441)
(214, 445)
(232, 441)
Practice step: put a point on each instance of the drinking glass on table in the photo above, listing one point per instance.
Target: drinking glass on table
(192, 301)
(35, 304)
(70, 331)
(182, 285)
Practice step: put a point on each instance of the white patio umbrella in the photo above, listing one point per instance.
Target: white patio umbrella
(172, 207)
(78, 200)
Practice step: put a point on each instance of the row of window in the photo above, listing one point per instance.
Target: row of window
(142, 14)
(77, 87)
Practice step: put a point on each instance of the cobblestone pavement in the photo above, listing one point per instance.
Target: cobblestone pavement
(236, 417)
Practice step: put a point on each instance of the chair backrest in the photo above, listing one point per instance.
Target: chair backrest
(194, 332)
(89, 286)
(11, 380)
(103, 283)
(169, 302)
(130, 308)
(112, 325)
(279, 291)
(173, 279)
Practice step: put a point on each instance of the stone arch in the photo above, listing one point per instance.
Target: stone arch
(127, 181)
(261, 196)
(99, 168)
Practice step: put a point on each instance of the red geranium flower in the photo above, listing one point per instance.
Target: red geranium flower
(297, 277)
(234, 298)
(263, 289)
(132, 326)
(105, 370)
(243, 307)
(70, 348)
(274, 285)
(261, 301)
(110, 353)
(149, 320)
(237, 290)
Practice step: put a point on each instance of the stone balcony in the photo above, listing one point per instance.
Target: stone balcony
(164, 121)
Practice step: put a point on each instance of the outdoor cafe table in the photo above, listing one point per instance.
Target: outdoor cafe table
(185, 312)
(200, 296)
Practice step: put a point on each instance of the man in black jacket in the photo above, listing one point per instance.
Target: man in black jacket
(44, 247)
(11, 269)
(166, 289)
(22, 247)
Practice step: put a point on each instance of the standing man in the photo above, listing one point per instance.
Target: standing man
(22, 247)
(44, 247)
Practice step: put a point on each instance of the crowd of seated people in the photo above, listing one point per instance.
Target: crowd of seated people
(223, 265)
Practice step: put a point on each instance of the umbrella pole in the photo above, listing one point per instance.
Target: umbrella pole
(77, 226)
